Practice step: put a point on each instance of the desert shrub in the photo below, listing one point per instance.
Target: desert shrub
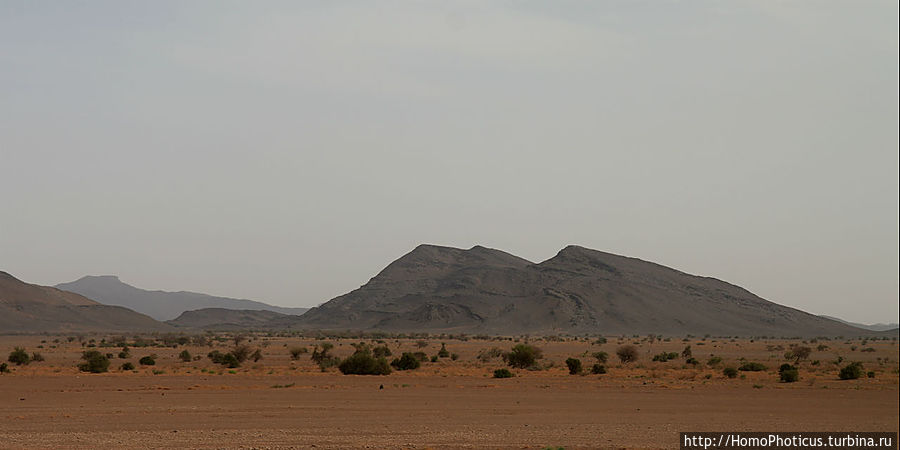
(147, 361)
(574, 365)
(185, 356)
(714, 361)
(752, 367)
(421, 356)
(627, 353)
(407, 361)
(692, 361)
(601, 357)
(242, 352)
(851, 371)
(868, 350)
(4, 368)
(297, 351)
(421, 344)
(229, 360)
(322, 356)
(523, 356)
(256, 355)
(226, 359)
(730, 372)
(434, 358)
(127, 366)
(798, 353)
(686, 353)
(443, 352)
(454, 356)
(382, 351)
(37, 357)
(363, 363)
(503, 373)
(124, 355)
(598, 369)
(788, 373)
(489, 354)
(870, 374)
(94, 362)
(19, 356)
(663, 357)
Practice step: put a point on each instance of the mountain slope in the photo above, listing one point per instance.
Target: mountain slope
(230, 319)
(579, 290)
(160, 305)
(871, 327)
(29, 308)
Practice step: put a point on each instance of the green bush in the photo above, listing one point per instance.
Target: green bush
(228, 360)
(94, 362)
(851, 371)
(788, 373)
(870, 374)
(574, 365)
(127, 366)
(185, 356)
(147, 361)
(382, 351)
(598, 369)
(523, 356)
(602, 357)
(322, 356)
(407, 361)
(730, 372)
(663, 357)
(752, 367)
(443, 352)
(4, 368)
(503, 373)
(363, 363)
(627, 353)
(434, 358)
(714, 361)
(256, 355)
(19, 357)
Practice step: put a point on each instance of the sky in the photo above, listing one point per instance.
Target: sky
(288, 151)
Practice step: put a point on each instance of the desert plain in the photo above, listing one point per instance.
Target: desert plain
(287, 401)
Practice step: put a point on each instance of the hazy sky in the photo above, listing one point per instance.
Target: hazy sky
(288, 151)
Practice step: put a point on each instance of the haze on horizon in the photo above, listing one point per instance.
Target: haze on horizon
(286, 152)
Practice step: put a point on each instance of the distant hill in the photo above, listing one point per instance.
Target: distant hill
(482, 290)
(872, 327)
(230, 319)
(29, 308)
(160, 305)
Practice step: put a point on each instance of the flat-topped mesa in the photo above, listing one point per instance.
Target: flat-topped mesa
(31, 308)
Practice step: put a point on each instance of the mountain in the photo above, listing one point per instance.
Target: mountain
(29, 308)
(231, 319)
(872, 327)
(160, 305)
(482, 290)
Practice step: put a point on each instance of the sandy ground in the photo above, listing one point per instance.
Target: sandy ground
(448, 404)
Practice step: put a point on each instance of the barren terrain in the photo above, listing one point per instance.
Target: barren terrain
(279, 402)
